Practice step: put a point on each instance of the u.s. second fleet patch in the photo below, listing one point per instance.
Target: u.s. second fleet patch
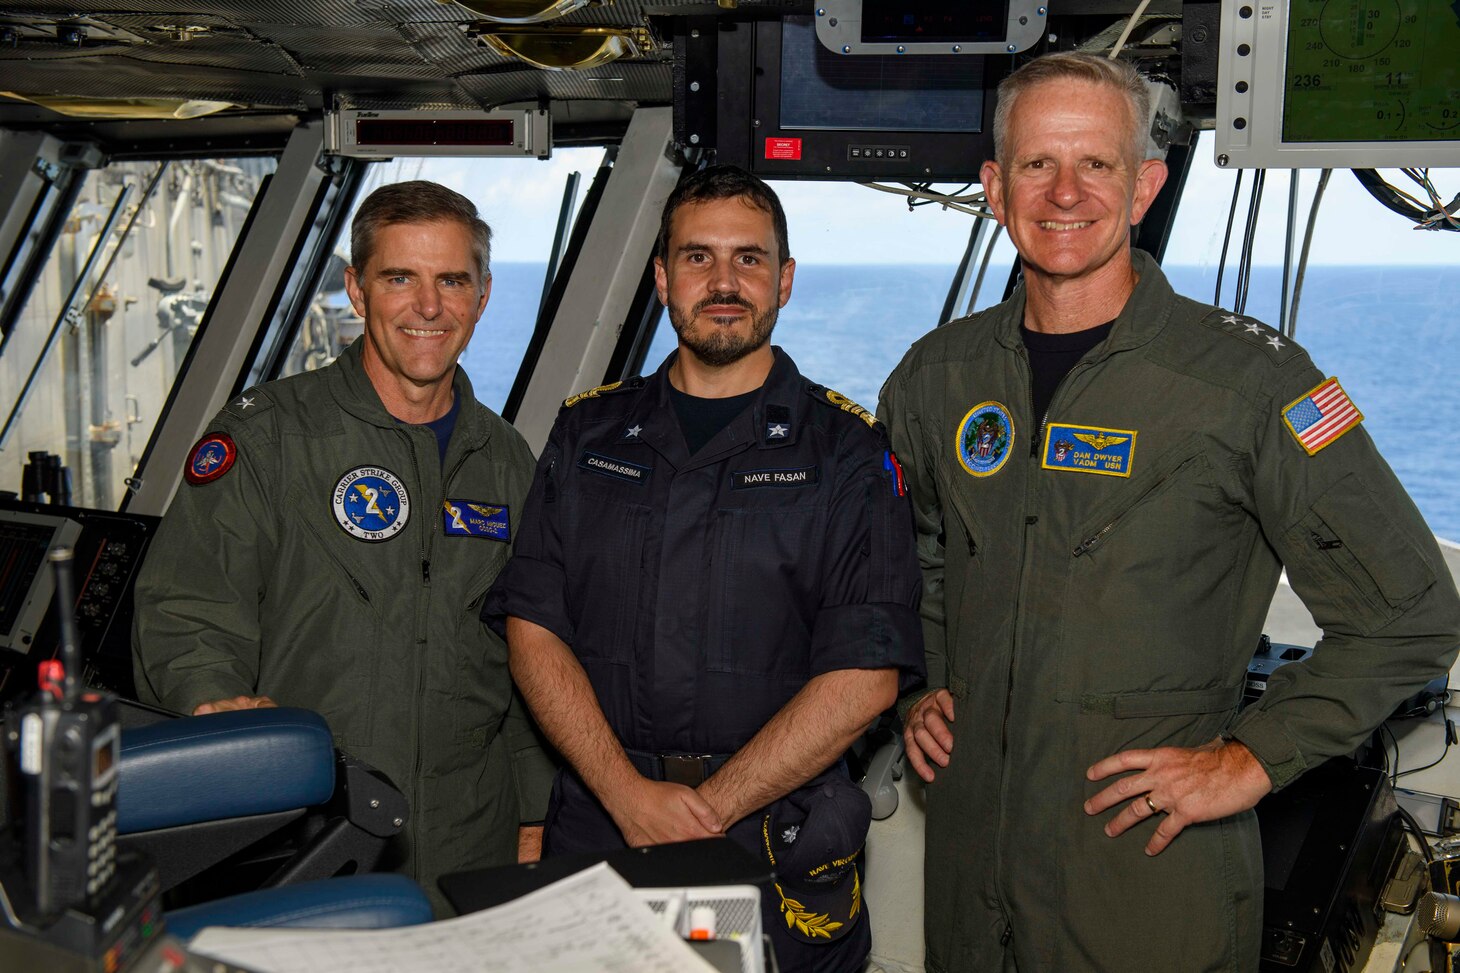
(985, 438)
(213, 456)
(476, 518)
(371, 503)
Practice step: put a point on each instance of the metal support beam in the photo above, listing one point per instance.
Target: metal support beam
(585, 330)
(29, 168)
(243, 303)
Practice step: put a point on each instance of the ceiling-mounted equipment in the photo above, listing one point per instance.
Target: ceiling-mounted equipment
(559, 48)
(1321, 84)
(386, 134)
(564, 48)
(784, 107)
(930, 26)
(521, 11)
(106, 109)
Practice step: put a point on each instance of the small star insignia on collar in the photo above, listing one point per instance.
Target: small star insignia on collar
(1276, 342)
(776, 431)
(244, 402)
(1253, 327)
(634, 431)
(1231, 319)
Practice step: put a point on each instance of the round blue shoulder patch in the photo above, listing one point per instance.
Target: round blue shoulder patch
(985, 438)
(213, 456)
(371, 503)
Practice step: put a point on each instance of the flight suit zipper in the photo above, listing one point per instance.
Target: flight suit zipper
(1031, 485)
(423, 623)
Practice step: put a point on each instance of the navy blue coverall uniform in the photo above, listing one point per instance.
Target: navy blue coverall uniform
(700, 593)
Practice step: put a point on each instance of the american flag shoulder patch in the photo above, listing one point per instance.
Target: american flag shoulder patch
(1321, 416)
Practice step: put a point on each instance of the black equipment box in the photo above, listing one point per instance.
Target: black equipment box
(1329, 842)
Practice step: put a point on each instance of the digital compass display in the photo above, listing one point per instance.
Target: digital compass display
(1372, 71)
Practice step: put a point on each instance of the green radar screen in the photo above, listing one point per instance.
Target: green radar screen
(1372, 71)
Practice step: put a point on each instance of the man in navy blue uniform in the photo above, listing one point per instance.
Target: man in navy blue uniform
(714, 589)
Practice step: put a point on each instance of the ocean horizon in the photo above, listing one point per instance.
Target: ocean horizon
(1380, 330)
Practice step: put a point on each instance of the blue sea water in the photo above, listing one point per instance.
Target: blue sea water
(1388, 333)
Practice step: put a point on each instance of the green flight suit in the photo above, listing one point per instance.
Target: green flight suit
(253, 587)
(1073, 615)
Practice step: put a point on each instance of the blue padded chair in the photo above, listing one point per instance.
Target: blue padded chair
(351, 902)
(259, 791)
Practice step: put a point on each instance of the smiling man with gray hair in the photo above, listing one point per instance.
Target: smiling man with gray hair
(1108, 479)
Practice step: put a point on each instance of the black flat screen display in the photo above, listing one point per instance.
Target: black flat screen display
(821, 90)
(953, 21)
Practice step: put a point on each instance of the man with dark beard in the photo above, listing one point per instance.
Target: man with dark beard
(714, 588)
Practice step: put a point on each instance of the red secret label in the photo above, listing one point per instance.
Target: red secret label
(782, 148)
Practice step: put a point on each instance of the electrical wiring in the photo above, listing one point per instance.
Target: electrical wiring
(1392, 769)
(1426, 216)
(1303, 254)
(1449, 739)
(1244, 261)
(1418, 832)
(963, 204)
(983, 266)
(1227, 237)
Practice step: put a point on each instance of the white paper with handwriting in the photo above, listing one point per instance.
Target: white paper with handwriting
(588, 922)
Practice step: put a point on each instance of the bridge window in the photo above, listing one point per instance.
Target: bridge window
(93, 352)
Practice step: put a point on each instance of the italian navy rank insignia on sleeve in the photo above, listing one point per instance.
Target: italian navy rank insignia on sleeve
(213, 456)
(1088, 449)
(985, 438)
(474, 518)
(847, 405)
(593, 393)
(1320, 416)
(371, 504)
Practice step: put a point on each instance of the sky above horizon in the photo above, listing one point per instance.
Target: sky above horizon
(843, 223)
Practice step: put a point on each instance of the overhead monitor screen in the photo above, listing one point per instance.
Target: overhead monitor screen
(1338, 83)
(1372, 70)
(875, 93)
(949, 21)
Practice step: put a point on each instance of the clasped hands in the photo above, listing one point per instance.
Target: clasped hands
(654, 812)
(1187, 785)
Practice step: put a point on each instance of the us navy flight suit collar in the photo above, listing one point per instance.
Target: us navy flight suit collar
(1145, 315)
(653, 421)
(352, 389)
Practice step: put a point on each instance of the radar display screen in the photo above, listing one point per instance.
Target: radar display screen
(1372, 71)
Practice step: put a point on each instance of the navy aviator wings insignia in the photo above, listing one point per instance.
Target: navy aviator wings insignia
(1100, 441)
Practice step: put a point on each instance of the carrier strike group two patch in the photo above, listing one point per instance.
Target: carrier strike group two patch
(1320, 416)
(371, 503)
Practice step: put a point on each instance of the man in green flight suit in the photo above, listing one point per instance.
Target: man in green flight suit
(336, 536)
(1108, 480)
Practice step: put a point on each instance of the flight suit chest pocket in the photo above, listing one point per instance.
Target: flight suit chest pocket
(604, 552)
(761, 601)
(1364, 565)
(1147, 590)
(1138, 506)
